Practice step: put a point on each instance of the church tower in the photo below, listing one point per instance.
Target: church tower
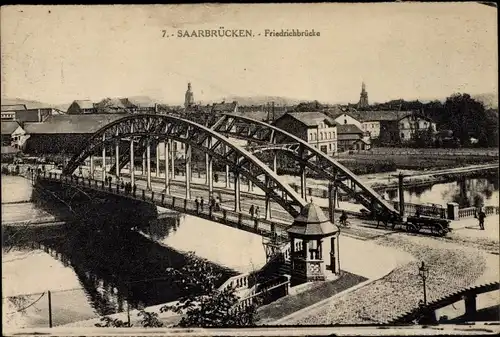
(189, 97)
(363, 97)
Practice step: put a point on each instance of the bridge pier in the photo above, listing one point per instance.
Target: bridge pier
(91, 173)
(117, 156)
(228, 182)
(210, 178)
(167, 173)
(103, 158)
(267, 210)
(157, 159)
(172, 158)
(132, 159)
(470, 306)
(148, 155)
(188, 171)
(237, 204)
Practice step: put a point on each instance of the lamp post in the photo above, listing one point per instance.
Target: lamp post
(423, 272)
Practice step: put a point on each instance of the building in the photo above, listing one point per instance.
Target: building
(393, 127)
(64, 134)
(8, 129)
(21, 114)
(9, 111)
(349, 137)
(79, 107)
(188, 97)
(222, 108)
(411, 124)
(363, 98)
(314, 127)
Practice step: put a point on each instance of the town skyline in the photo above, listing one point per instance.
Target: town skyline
(426, 51)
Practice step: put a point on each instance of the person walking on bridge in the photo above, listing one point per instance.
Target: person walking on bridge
(197, 202)
(251, 210)
(135, 189)
(481, 217)
(202, 202)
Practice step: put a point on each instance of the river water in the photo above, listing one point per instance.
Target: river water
(94, 273)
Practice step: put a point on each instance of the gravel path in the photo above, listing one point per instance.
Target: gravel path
(452, 267)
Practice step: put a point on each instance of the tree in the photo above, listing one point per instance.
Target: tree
(201, 303)
(308, 106)
(204, 305)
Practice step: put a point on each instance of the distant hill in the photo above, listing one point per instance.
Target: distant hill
(258, 100)
(29, 103)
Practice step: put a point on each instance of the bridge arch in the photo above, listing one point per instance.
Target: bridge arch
(146, 127)
(265, 137)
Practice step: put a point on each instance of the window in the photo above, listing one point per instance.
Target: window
(330, 135)
(330, 146)
(402, 135)
(345, 121)
(321, 135)
(402, 125)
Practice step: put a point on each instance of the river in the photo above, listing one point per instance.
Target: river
(94, 273)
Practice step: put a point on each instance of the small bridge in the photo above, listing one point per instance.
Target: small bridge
(427, 313)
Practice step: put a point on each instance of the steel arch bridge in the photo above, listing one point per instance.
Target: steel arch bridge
(263, 137)
(140, 131)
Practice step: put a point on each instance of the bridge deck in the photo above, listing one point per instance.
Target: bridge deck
(242, 220)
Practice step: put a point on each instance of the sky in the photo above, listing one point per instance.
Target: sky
(56, 54)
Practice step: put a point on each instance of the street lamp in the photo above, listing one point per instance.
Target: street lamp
(423, 272)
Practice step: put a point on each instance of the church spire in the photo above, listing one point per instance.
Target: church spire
(363, 97)
(189, 97)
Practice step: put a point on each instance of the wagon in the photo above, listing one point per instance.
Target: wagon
(436, 226)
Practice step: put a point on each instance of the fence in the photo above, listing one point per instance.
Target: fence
(264, 227)
(54, 308)
(471, 212)
(434, 152)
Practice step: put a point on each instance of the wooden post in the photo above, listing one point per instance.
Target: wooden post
(50, 308)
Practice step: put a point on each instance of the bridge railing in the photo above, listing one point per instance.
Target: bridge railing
(264, 227)
(472, 212)
(467, 212)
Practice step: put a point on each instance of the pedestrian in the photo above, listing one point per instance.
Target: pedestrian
(217, 205)
(123, 185)
(135, 189)
(481, 217)
(202, 202)
(251, 211)
(197, 202)
(257, 212)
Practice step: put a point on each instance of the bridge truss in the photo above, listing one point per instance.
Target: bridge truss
(138, 133)
(263, 137)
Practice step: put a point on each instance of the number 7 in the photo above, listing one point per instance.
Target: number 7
(164, 32)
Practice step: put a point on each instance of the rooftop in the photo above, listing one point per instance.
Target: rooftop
(84, 104)
(348, 128)
(8, 127)
(13, 107)
(224, 107)
(311, 118)
(312, 222)
(64, 124)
